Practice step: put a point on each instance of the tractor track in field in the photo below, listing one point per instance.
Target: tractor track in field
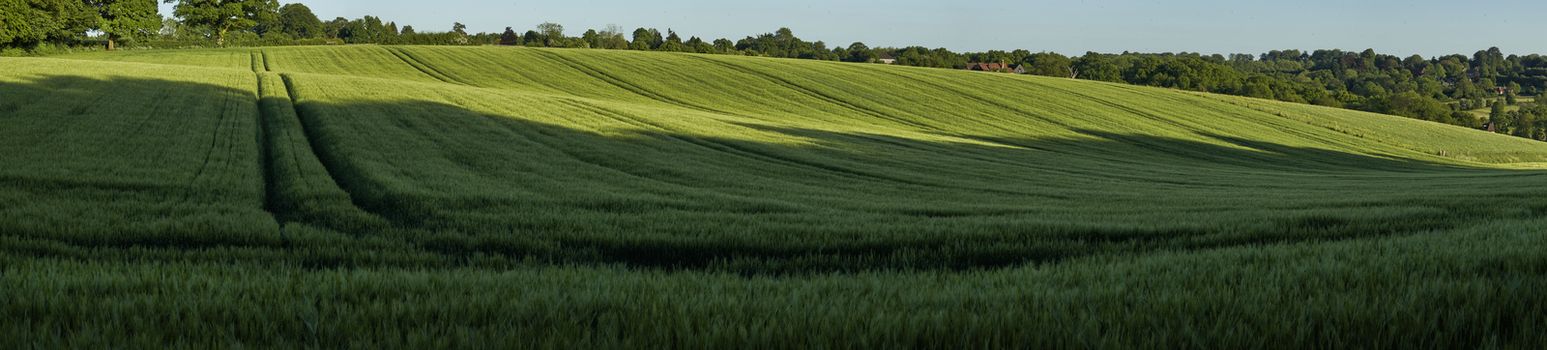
(1281, 123)
(281, 207)
(717, 147)
(1007, 107)
(265, 147)
(813, 93)
(329, 164)
(1124, 107)
(979, 99)
(427, 69)
(266, 66)
(215, 138)
(624, 84)
(776, 159)
(743, 152)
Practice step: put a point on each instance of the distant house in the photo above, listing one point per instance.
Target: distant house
(886, 58)
(1500, 90)
(992, 67)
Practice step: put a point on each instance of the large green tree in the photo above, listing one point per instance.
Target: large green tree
(646, 39)
(673, 42)
(299, 21)
(22, 23)
(1525, 124)
(27, 23)
(859, 52)
(552, 33)
(119, 19)
(1499, 117)
(1049, 64)
(510, 38)
(223, 16)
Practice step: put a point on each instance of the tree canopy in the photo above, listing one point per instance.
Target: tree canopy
(224, 16)
(28, 23)
(120, 19)
(298, 21)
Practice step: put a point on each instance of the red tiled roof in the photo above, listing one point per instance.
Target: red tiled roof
(988, 66)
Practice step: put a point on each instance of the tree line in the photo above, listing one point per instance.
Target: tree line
(1441, 89)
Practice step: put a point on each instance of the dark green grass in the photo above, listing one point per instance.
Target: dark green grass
(130, 161)
(1469, 289)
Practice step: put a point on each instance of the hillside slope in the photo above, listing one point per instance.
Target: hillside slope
(1001, 193)
(779, 165)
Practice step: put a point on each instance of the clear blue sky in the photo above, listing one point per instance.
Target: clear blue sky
(1426, 27)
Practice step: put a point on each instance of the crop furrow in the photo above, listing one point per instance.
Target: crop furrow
(975, 96)
(698, 142)
(266, 66)
(341, 202)
(416, 66)
(424, 68)
(426, 64)
(813, 93)
(265, 153)
(220, 120)
(624, 84)
(1124, 107)
(743, 152)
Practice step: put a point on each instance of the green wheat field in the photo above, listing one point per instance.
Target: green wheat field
(419, 197)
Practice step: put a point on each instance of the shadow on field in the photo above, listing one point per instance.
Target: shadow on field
(461, 184)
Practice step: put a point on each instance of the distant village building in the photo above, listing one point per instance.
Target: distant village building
(886, 58)
(1500, 90)
(996, 67)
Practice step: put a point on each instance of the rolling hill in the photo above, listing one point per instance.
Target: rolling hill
(338, 195)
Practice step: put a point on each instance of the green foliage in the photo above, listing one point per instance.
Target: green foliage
(510, 38)
(858, 52)
(610, 38)
(1525, 124)
(1049, 64)
(121, 19)
(924, 57)
(30, 23)
(224, 16)
(534, 39)
(673, 43)
(1410, 104)
(552, 34)
(298, 20)
(783, 43)
(646, 39)
(1498, 114)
